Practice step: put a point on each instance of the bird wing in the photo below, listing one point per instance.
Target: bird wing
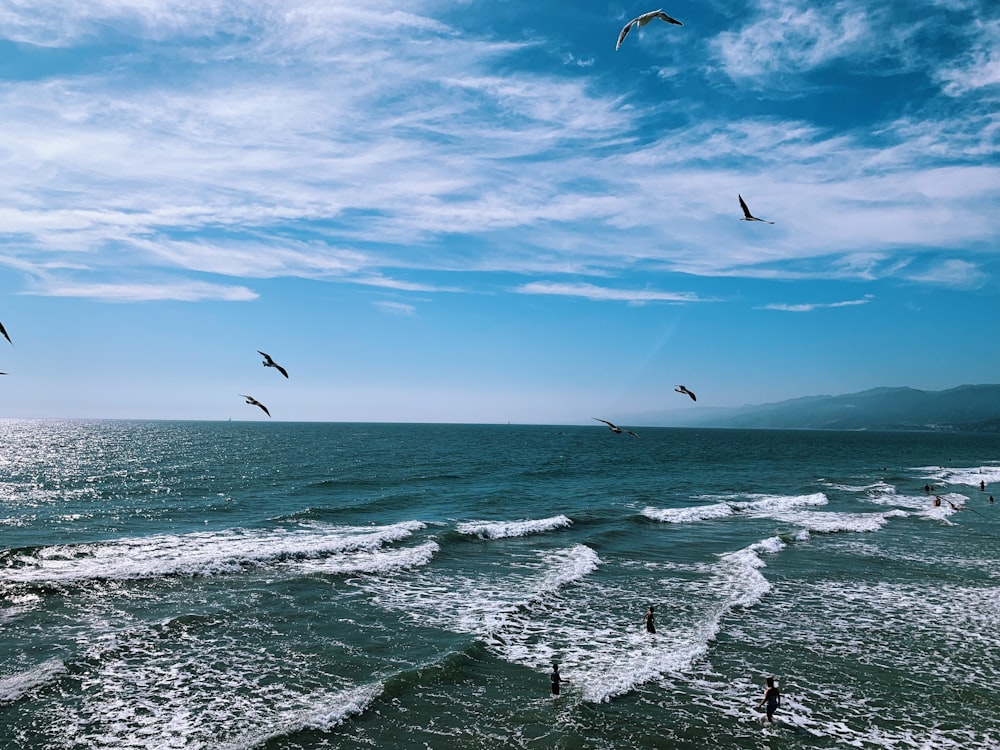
(282, 370)
(609, 424)
(632, 433)
(625, 30)
(263, 407)
(743, 205)
(668, 19)
(4, 332)
(693, 397)
(266, 356)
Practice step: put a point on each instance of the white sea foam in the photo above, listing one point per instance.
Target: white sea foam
(766, 504)
(328, 712)
(610, 663)
(756, 505)
(971, 476)
(15, 686)
(219, 689)
(480, 606)
(200, 553)
(873, 487)
(502, 529)
(377, 562)
(688, 515)
(828, 522)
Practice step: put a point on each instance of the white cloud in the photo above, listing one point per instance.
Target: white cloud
(789, 37)
(810, 306)
(326, 141)
(959, 274)
(184, 291)
(396, 308)
(979, 67)
(598, 293)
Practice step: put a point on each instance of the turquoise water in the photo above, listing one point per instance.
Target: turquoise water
(244, 585)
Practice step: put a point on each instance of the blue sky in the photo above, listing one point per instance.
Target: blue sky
(481, 212)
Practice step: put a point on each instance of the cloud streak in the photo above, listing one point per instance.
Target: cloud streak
(810, 306)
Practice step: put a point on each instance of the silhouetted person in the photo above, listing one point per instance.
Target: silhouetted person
(648, 619)
(556, 678)
(772, 699)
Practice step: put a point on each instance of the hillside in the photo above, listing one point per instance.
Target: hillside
(973, 408)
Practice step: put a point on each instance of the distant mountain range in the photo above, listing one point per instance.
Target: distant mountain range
(967, 408)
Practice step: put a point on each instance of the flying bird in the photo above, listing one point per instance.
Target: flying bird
(747, 216)
(268, 362)
(682, 389)
(254, 402)
(642, 21)
(4, 332)
(615, 428)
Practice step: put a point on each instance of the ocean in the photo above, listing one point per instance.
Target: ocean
(302, 585)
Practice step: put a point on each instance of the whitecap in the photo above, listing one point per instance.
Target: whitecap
(689, 514)
(377, 562)
(773, 503)
(504, 529)
(971, 476)
(15, 686)
(199, 553)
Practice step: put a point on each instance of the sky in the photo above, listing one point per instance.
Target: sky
(447, 211)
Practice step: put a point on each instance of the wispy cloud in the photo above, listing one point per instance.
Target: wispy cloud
(183, 291)
(395, 308)
(952, 272)
(600, 293)
(810, 306)
(787, 37)
(330, 141)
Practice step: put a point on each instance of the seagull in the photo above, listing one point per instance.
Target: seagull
(254, 402)
(642, 21)
(682, 389)
(747, 216)
(268, 362)
(615, 428)
(4, 332)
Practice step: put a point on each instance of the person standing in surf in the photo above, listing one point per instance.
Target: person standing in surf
(556, 678)
(648, 619)
(772, 699)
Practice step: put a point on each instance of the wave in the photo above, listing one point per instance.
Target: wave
(972, 476)
(688, 515)
(16, 686)
(482, 606)
(505, 529)
(374, 563)
(606, 661)
(766, 504)
(756, 505)
(327, 712)
(194, 554)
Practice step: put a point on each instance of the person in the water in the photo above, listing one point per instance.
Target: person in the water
(772, 699)
(648, 619)
(556, 678)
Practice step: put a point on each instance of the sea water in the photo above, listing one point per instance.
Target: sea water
(276, 585)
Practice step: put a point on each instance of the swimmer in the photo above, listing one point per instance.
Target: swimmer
(772, 697)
